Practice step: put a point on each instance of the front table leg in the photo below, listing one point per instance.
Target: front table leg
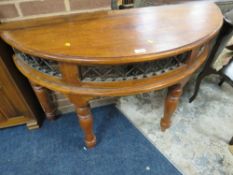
(171, 102)
(85, 118)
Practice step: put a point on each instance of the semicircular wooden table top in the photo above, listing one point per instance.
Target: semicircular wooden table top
(139, 50)
(117, 37)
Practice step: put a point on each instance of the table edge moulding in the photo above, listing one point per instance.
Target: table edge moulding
(114, 53)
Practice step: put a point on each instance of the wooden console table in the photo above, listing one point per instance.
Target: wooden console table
(114, 53)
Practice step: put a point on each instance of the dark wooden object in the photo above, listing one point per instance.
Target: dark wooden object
(231, 141)
(231, 145)
(112, 40)
(226, 78)
(18, 104)
(224, 36)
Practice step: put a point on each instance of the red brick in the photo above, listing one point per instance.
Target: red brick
(89, 4)
(41, 7)
(8, 11)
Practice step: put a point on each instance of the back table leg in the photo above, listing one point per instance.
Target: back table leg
(45, 101)
(85, 118)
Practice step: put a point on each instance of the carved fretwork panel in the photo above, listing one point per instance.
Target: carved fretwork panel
(109, 73)
(132, 71)
(42, 65)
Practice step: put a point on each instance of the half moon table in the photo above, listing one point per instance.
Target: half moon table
(114, 53)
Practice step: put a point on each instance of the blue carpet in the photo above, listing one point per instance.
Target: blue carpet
(58, 149)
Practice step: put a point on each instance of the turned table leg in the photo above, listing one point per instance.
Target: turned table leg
(171, 102)
(85, 118)
(45, 101)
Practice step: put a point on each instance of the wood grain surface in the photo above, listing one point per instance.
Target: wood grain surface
(117, 37)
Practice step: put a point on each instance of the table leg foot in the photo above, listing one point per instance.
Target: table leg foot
(85, 119)
(86, 123)
(91, 144)
(171, 102)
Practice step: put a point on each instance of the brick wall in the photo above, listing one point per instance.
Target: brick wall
(11, 10)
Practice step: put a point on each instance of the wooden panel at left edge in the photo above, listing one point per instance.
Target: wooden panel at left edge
(19, 104)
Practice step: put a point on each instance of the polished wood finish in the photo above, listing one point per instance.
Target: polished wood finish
(14, 121)
(112, 37)
(17, 103)
(171, 102)
(115, 38)
(113, 88)
(85, 118)
(45, 100)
